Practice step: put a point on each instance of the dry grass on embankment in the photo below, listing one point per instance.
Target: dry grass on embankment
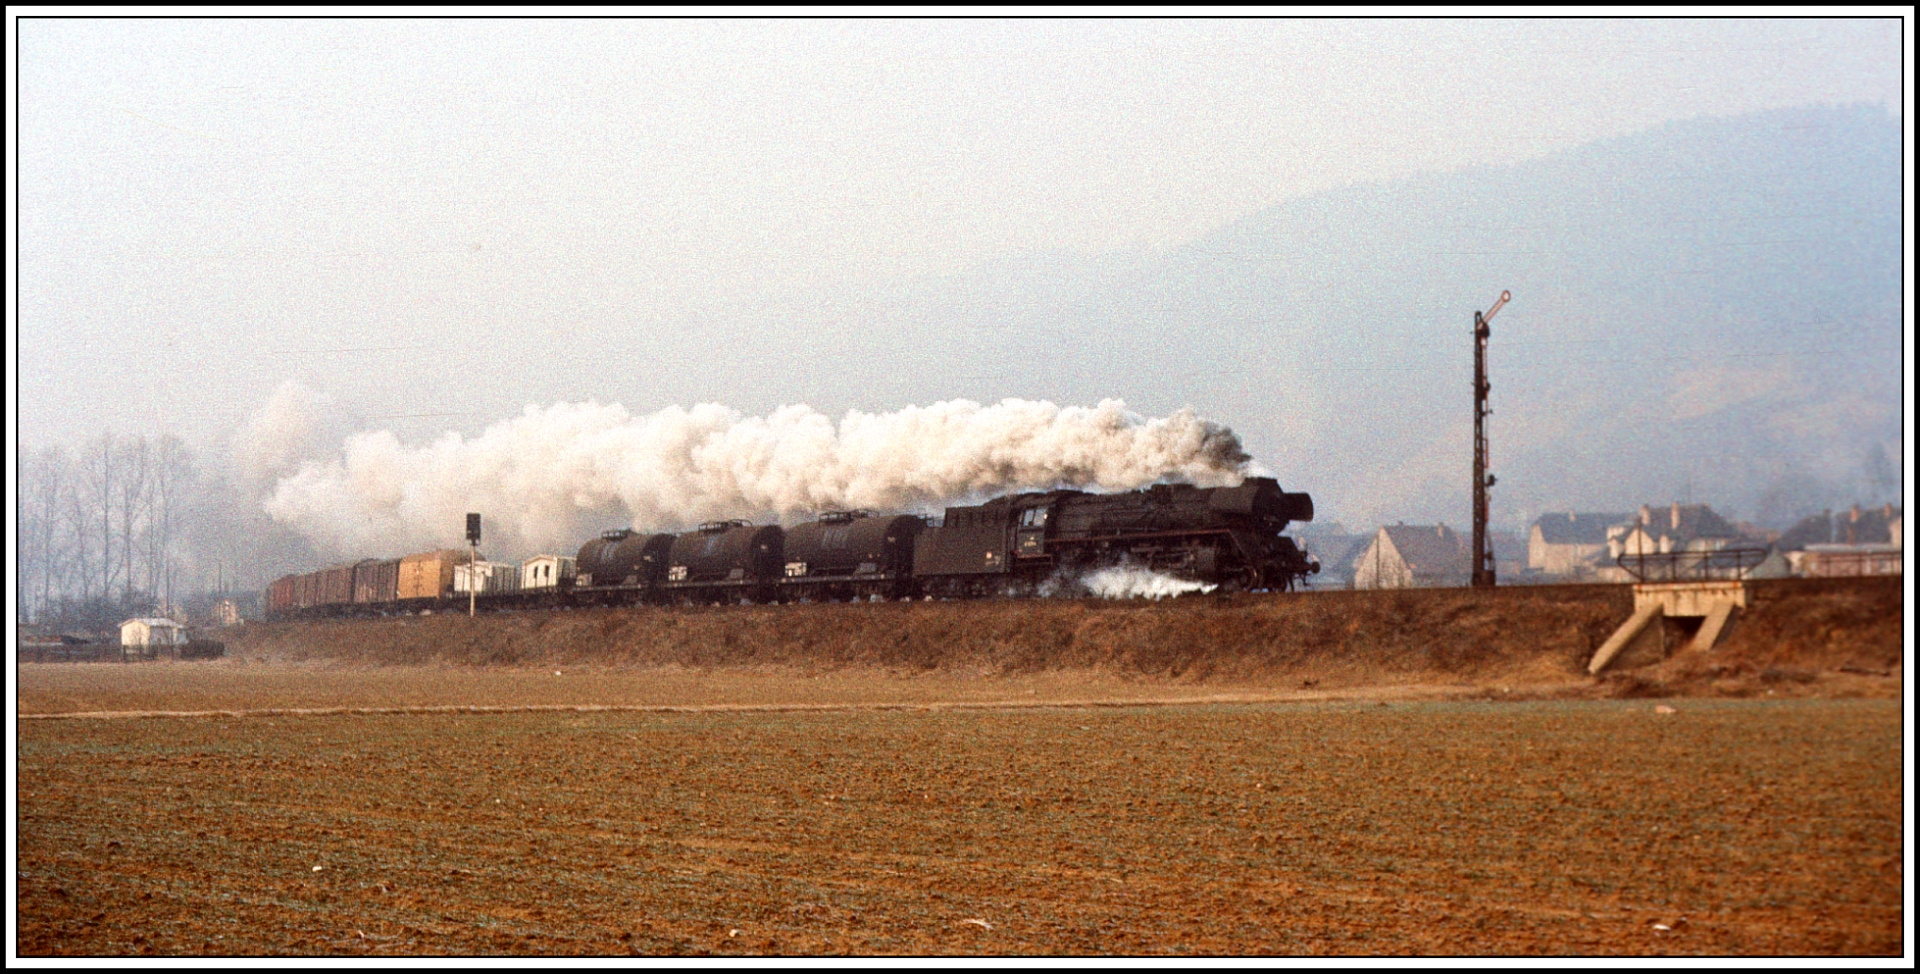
(1844, 634)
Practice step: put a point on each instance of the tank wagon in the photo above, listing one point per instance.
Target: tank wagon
(850, 555)
(724, 561)
(1020, 544)
(620, 567)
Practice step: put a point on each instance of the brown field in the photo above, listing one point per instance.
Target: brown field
(1164, 798)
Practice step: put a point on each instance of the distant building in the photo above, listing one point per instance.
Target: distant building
(1413, 556)
(1569, 544)
(1509, 556)
(225, 612)
(1856, 526)
(153, 632)
(1682, 527)
(1336, 554)
(1838, 560)
(1852, 542)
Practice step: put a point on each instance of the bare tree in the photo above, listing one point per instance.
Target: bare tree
(133, 460)
(172, 476)
(43, 555)
(79, 524)
(99, 471)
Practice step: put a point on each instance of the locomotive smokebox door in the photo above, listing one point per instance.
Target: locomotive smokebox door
(473, 528)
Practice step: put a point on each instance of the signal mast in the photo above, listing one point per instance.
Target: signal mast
(1483, 576)
(473, 559)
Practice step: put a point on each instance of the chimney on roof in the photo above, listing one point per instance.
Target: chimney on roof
(1646, 514)
(1854, 515)
(1676, 515)
(1887, 511)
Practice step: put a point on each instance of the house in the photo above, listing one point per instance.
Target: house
(1509, 557)
(1414, 556)
(1870, 526)
(546, 571)
(1853, 542)
(1569, 544)
(151, 632)
(1839, 560)
(1336, 553)
(1682, 527)
(225, 612)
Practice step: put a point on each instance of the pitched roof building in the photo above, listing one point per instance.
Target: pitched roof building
(1568, 544)
(1682, 527)
(1414, 556)
(1857, 526)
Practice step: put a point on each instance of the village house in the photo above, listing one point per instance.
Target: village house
(1856, 526)
(1569, 544)
(1337, 556)
(1853, 542)
(1677, 528)
(1414, 556)
(1682, 527)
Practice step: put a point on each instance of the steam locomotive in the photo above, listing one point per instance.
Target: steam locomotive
(1017, 545)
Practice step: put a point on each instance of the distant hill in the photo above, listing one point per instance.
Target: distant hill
(1709, 310)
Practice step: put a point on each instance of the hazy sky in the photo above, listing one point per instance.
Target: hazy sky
(209, 207)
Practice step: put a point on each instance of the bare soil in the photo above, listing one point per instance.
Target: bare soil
(1427, 775)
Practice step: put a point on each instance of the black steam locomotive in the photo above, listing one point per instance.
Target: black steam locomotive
(1016, 545)
(1022, 544)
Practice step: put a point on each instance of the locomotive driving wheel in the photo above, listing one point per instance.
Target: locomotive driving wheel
(1244, 579)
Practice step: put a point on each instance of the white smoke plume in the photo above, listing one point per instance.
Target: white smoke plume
(546, 477)
(1135, 582)
(295, 426)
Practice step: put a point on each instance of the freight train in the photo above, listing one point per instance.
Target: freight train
(1017, 545)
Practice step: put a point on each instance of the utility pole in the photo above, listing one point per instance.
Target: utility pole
(1483, 576)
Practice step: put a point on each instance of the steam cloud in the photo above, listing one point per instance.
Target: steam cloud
(1134, 582)
(294, 426)
(547, 477)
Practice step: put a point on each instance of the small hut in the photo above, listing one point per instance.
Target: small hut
(152, 632)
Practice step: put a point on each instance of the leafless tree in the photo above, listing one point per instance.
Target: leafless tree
(99, 480)
(132, 458)
(44, 555)
(172, 475)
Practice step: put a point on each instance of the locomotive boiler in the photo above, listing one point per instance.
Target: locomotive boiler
(1224, 536)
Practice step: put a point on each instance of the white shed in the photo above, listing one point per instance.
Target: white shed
(153, 632)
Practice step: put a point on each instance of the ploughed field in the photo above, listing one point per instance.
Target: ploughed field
(1340, 773)
(1429, 827)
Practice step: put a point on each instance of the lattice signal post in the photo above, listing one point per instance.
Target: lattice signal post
(1483, 574)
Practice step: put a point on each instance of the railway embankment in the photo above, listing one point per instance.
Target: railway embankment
(1797, 637)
